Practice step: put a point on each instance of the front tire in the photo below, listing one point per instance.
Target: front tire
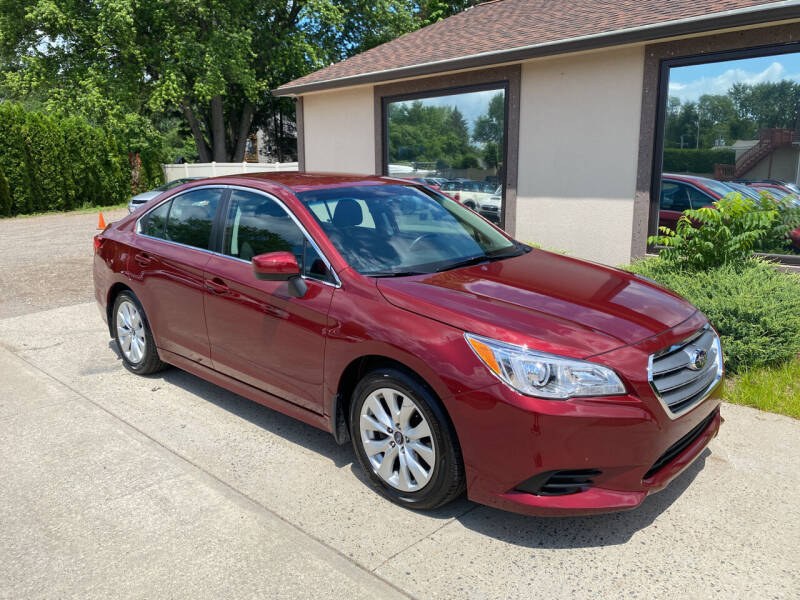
(404, 440)
(133, 336)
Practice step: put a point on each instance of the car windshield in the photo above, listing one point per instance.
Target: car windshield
(745, 190)
(396, 230)
(717, 187)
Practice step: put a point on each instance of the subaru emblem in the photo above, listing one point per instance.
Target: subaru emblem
(697, 359)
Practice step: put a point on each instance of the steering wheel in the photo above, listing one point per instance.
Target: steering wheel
(419, 239)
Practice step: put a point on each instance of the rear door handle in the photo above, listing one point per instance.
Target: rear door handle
(217, 286)
(143, 259)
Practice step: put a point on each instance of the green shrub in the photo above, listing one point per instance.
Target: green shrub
(5, 196)
(754, 307)
(729, 231)
(60, 163)
(689, 160)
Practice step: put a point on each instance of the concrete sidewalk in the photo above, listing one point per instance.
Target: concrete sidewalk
(92, 507)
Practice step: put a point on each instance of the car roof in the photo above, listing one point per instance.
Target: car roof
(303, 181)
(689, 178)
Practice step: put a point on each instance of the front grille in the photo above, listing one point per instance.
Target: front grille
(677, 378)
(680, 445)
(559, 483)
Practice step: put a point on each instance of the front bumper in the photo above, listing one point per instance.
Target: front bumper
(508, 439)
(621, 441)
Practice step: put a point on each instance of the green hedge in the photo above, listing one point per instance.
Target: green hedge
(687, 160)
(61, 163)
(754, 307)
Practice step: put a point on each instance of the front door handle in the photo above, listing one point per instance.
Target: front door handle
(143, 259)
(217, 286)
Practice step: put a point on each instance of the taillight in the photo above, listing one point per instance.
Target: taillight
(98, 243)
(458, 197)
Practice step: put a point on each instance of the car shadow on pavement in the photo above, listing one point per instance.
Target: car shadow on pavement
(262, 416)
(292, 430)
(520, 530)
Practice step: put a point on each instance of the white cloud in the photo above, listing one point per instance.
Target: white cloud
(692, 90)
(471, 104)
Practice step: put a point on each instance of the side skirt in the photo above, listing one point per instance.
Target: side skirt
(248, 391)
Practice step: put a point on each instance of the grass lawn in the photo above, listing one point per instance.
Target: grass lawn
(83, 210)
(774, 389)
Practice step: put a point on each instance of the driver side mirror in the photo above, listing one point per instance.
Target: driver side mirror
(280, 266)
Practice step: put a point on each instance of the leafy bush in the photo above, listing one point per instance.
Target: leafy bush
(689, 160)
(5, 196)
(754, 307)
(60, 163)
(730, 230)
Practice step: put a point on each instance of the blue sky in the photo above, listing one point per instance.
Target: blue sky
(689, 83)
(472, 105)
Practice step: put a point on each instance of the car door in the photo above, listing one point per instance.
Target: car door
(674, 199)
(172, 249)
(259, 333)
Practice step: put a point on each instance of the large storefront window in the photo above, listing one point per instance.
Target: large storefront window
(730, 126)
(455, 142)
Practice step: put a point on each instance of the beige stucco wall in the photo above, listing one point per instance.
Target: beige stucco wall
(578, 151)
(340, 131)
(781, 165)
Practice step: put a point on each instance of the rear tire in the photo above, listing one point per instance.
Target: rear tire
(404, 441)
(133, 336)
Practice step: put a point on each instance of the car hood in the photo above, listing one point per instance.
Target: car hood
(543, 300)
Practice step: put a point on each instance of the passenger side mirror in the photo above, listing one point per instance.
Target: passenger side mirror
(280, 266)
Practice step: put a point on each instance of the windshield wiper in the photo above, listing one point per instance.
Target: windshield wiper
(395, 273)
(476, 260)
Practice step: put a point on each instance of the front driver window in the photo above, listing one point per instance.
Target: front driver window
(256, 224)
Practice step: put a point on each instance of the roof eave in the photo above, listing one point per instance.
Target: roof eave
(756, 15)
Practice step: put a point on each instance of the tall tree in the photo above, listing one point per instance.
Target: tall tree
(123, 62)
(431, 11)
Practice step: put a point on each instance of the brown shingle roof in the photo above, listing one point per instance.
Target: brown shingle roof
(503, 27)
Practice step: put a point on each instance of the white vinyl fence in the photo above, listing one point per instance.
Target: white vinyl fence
(213, 169)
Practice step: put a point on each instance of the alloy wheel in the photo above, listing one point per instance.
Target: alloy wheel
(397, 439)
(130, 332)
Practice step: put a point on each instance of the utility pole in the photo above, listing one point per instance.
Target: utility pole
(698, 131)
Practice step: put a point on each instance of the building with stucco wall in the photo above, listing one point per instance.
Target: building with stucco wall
(584, 85)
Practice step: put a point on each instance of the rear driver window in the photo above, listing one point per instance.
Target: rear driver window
(191, 218)
(153, 223)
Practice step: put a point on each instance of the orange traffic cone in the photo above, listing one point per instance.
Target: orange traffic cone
(101, 223)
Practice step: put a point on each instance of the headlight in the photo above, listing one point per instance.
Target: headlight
(544, 375)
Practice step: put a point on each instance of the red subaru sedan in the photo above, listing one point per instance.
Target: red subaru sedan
(454, 357)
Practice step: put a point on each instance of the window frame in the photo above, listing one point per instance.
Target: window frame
(500, 84)
(217, 229)
(662, 96)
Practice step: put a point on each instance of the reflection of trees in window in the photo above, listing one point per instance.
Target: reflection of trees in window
(263, 241)
(423, 133)
(194, 232)
(735, 115)
(489, 131)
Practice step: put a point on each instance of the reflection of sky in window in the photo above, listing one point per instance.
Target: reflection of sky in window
(691, 82)
(472, 105)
